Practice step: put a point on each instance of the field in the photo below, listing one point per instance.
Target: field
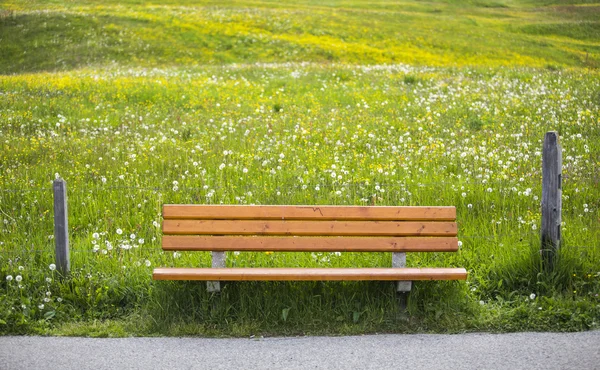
(379, 103)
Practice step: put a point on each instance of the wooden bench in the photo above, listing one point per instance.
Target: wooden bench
(221, 228)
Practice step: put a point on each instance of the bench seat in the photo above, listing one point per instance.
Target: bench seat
(308, 274)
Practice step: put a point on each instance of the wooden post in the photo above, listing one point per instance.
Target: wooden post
(61, 227)
(218, 261)
(551, 198)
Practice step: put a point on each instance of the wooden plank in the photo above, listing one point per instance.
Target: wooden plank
(273, 227)
(356, 213)
(304, 274)
(309, 244)
(551, 198)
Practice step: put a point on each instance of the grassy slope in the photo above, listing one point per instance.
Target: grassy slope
(47, 36)
(66, 121)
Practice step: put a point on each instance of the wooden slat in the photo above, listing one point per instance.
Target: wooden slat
(285, 274)
(356, 213)
(273, 227)
(309, 244)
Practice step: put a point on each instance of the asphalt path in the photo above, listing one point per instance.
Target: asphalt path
(461, 351)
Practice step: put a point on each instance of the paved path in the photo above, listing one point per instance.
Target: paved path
(466, 351)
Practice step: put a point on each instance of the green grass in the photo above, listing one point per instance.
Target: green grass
(54, 36)
(441, 103)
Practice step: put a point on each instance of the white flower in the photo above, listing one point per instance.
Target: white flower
(59, 299)
(95, 235)
(148, 263)
(489, 190)
(52, 267)
(48, 280)
(103, 180)
(532, 296)
(132, 236)
(18, 278)
(140, 241)
(245, 170)
(481, 303)
(221, 166)
(21, 268)
(41, 306)
(469, 206)
(317, 188)
(9, 277)
(119, 231)
(459, 243)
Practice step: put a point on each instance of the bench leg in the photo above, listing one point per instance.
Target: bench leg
(218, 261)
(399, 260)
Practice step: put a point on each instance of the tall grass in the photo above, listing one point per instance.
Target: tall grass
(132, 119)
(58, 36)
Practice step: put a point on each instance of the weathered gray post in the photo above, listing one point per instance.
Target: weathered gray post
(399, 260)
(402, 287)
(551, 198)
(61, 226)
(218, 261)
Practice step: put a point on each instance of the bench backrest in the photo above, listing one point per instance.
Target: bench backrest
(309, 228)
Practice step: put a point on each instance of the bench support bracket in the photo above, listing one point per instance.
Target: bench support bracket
(218, 261)
(399, 260)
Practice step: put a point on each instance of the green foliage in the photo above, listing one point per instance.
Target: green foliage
(59, 36)
(129, 138)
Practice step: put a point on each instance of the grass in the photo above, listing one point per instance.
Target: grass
(55, 36)
(141, 105)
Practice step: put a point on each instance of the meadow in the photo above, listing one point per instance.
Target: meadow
(415, 103)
